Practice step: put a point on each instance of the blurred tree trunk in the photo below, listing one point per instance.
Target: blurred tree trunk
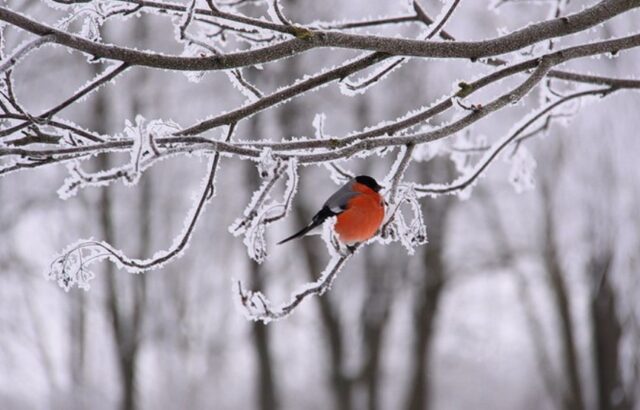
(126, 315)
(427, 295)
(380, 271)
(126, 294)
(341, 384)
(375, 315)
(267, 397)
(125, 322)
(425, 308)
(289, 122)
(607, 335)
(572, 397)
(77, 325)
(507, 255)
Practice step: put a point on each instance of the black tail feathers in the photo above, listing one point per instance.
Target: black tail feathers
(302, 232)
(317, 220)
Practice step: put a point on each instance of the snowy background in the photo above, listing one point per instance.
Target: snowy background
(525, 294)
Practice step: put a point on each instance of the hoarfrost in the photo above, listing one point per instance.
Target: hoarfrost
(428, 151)
(261, 212)
(274, 14)
(93, 15)
(143, 134)
(465, 150)
(337, 174)
(91, 27)
(267, 163)
(363, 85)
(253, 304)
(329, 237)
(257, 307)
(144, 153)
(254, 240)
(523, 165)
(71, 184)
(412, 234)
(239, 83)
(318, 125)
(194, 50)
(70, 267)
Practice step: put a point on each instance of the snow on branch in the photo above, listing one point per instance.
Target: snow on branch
(259, 213)
(466, 181)
(258, 308)
(22, 51)
(216, 36)
(307, 39)
(71, 267)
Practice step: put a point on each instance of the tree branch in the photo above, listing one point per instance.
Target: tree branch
(491, 155)
(474, 50)
(10, 61)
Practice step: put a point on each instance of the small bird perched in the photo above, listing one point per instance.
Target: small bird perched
(359, 209)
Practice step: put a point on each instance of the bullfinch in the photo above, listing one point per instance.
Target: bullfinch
(359, 209)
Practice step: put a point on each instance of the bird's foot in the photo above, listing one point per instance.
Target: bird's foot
(347, 250)
(336, 244)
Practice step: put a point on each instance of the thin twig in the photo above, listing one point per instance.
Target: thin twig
(186, 20)
(266, 313)
(92, 86)
(237, 74)
(382, 73)
(370, 23)
(467, 180)
(279, 14)
(405, 159)
(144, 265)
(23, 51)
(164, 257)
(251, 213)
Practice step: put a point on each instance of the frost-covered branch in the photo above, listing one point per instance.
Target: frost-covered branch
(259, 308)
(396, 63)
(398, 171)
(344, 147)
(368, 140)
(219, 37)
(22, 51)
(72, 266)
(309, 39)
(83, 92)
(468, 180)
(371, 23)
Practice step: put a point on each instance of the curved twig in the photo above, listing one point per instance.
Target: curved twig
(468, 180)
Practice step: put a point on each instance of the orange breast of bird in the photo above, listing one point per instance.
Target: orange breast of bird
(362, 218)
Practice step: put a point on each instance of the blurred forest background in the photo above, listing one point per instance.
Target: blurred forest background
(519, 300)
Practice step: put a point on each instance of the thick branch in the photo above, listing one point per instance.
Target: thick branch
(557, 57)
(402, 47)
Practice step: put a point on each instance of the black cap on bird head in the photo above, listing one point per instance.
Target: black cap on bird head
(369, 182)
